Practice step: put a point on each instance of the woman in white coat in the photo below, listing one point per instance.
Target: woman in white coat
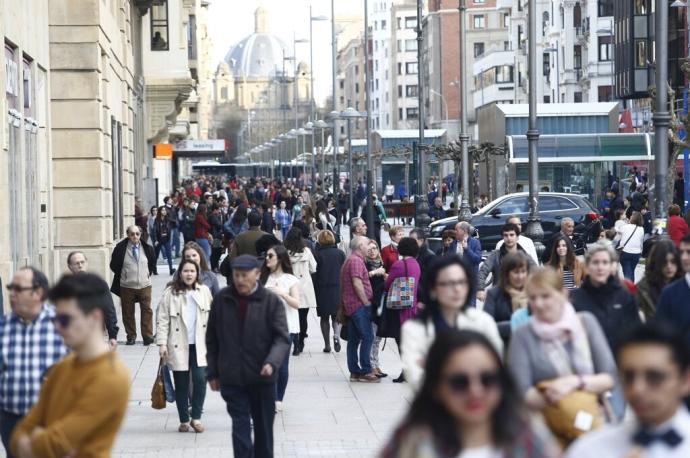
(181, 338)
(450, 286)
(303, 265)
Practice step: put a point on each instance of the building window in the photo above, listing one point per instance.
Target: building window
(399, 68)
(399, 20)
(356, 88)
(605, 7)
(159, 25)
(478, 2)
(478, 49)
(506, 45)
(356, 69)
(411, 68)
(605, 49)
(577, 56)
(411, 45)
(411, 22)
(546, 59)
(377, 84)
(504, 74)
(479, 21)
(519, 36)
(577, 97)
(28, 92)
(191, 37)
(400, 46)
(605, 94)
(547, 99)
(411, 90)
(506, 20)
(640, 7)
(412, 113)
(342, 84)
(383, 25)
(400, 114)
(577, 15)
(400, 90)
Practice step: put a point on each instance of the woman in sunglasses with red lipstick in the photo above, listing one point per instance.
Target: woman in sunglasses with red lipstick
(467, 407)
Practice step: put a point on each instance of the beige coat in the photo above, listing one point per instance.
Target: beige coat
(172, 329)
(303, 265)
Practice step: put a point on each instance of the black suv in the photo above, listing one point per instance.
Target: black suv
(553, 207)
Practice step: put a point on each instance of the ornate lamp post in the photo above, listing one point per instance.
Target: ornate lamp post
(335, 116)
(534, 229)
(661, 116)
(465, 214)
(309, 127)
(292, 134)
(323, 125)
(349, 114)
(421, 219)
(302, 132)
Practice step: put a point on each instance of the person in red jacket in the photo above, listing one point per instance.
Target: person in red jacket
(201, 228)
(389, 253)
(677, 227)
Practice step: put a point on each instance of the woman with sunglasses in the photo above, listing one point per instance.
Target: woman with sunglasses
(450, 286)
(560, 351)
(276, 276)
(467, 407)
(181, 338)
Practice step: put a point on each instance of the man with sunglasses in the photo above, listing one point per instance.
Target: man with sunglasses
(654, 366)
(133, 263)
(84, 397)
(28, 339)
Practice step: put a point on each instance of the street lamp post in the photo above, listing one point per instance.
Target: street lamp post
(302, 132)
(371, 179)
(293, 135)
(334, 112)
(534, 229)
(309, 127)
(464, 212)
(335, 116)
(661, 116)
(311, 62)
(320, 124)
(421, 219)
(349, 114)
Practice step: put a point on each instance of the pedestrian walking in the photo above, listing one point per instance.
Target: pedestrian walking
(132, 264)
(29, 340)
(603, 295)
(401, 282)
(246, 342)
(329, 261)
(450, 286)
(566, 263)
(653, 362)
(560, 351)
(245, 243)
(525, 243)
(162, 228)
(283, 220)
(509, 295)
(377, 274)
(182, 318)
(662, 267)
(467, 407)
(630, 245)
(356, 295)
(276, 276)
(303, 266)
(389, 253)
(77, 263)
(193, 252)
(215, 220)
(677, 227)
(201, 230)
(389, 191)
(85, 395)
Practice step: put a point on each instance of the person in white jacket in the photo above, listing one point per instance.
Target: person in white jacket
(182, 316)
(450, 286)
(303, 265)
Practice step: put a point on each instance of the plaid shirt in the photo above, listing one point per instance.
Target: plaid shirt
(353, 267)
(27, 350)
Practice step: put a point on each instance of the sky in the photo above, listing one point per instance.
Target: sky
(232, 20)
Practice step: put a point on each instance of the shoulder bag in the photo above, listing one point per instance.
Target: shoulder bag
(401, 296)
(620, 247)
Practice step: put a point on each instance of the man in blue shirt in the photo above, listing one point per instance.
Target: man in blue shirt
(28, 339)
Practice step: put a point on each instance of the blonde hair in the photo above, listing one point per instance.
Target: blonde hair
(544, 277)
(326, 237)
(394, 230)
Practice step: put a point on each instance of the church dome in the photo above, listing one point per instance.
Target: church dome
(260, 55)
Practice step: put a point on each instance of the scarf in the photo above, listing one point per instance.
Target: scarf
(565, 343)
(373, 264)
(518, 298)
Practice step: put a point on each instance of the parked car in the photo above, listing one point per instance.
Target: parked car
(553, 207)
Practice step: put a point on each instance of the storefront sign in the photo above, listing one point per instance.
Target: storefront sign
(199, 145)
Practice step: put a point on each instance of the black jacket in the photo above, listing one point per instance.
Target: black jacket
(326, 279)
(499, 306)
(236, 353)
(117, 260)
(612, 305)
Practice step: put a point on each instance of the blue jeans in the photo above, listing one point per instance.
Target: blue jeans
(257, 401)
(203, 243)
(284, 373)
(8, 421)
(360, 335)
(628, 263)
(165, 248)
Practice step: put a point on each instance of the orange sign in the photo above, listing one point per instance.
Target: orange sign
(163, 151)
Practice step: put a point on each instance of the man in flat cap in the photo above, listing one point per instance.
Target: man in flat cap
(247, 339)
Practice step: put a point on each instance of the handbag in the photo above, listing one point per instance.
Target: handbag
(401, 295)
(158, 399)
(619, 248)
(573, 415)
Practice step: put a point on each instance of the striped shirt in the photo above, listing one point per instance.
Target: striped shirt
(27, 350)
(568, 279)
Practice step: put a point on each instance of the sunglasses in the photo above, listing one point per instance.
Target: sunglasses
(62, 320)
(18, 288)
(460, 383)
(653, 378)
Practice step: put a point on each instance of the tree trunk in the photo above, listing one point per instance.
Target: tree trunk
(674, 152)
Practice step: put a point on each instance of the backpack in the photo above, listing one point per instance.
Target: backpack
(401, 295)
